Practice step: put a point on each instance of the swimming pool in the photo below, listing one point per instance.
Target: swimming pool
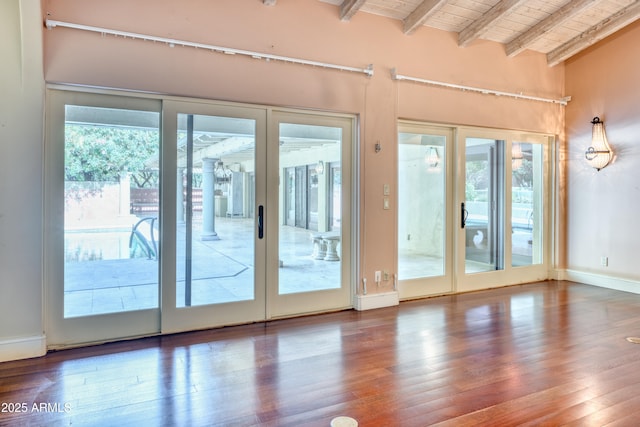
(101, 245)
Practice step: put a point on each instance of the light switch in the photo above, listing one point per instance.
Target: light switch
(385, 189)
(386, 203)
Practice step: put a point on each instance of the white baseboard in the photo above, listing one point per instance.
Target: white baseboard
(600, 280)
(371, 301)
(23, 348)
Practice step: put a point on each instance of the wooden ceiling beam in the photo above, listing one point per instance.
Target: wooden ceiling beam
(594, 34)
(554, 20)
(480, 26)
(420, 14)
(348, 8)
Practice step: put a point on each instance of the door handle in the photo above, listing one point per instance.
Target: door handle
(463, 215)
(260, 222)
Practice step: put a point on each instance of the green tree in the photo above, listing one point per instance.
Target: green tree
(101, 153)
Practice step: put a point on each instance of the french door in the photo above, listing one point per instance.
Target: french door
(478, 221)
(425, 195)
(167, 215)
(102, 205)
(310, 245)
(503, 208)
(213, 266)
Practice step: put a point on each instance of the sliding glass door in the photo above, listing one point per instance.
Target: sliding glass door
(310, 242)
(213, 262)
(503, 208)
(167, 215)
(483, 226)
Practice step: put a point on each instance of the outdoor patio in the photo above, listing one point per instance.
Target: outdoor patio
(222, 271)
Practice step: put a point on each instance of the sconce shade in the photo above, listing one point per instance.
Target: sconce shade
(320, 167)
(599, 154)
(222, 174)
(432, 159)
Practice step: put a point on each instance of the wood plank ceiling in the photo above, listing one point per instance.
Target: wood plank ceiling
(557, 28)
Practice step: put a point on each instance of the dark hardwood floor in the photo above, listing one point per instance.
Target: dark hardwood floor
(552, 353)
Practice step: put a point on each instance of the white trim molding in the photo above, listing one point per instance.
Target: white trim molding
(372, 301)
(23, 348)
(619, 284)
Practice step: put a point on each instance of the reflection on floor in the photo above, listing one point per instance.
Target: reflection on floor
(222, 271)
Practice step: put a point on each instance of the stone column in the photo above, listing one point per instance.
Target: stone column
(208, 200)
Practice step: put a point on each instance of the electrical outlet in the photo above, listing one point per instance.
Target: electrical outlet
(385, 276)
(604, 261)
(378, 276)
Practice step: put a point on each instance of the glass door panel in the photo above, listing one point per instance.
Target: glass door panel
(313, 256)
(424, 266)
(527, 192)
(421, 184)
(103, 217)
(214, 231)
(215, 163)
(111, 200)
(309, 259)
(484, 205)
(503, 179)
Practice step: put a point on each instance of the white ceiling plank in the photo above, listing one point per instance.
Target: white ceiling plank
(348, 8)
(594, 34)
(542, 26)
(419, 16)
(554, 20)
(479, 27)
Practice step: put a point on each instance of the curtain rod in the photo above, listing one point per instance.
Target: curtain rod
(226, 50)
(562, 101)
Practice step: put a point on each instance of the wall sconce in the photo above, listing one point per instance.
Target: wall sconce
(516, 156)
(432, 158)
(222, 173)
(599, 154)
(320, 167)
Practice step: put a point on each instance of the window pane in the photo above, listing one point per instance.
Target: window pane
(309, 237)
(111, 239)
(215, 209)
(484, 203)
(421, 205)
(526, 208)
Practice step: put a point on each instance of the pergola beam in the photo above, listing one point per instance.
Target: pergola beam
(227, 147)
(594, 34)
(421, 14)
(348, 8)
(554, 20)
(480, 26)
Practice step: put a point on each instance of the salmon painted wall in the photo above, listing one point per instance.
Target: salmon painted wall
(21, 116)
(603, 207)
(307, 29)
